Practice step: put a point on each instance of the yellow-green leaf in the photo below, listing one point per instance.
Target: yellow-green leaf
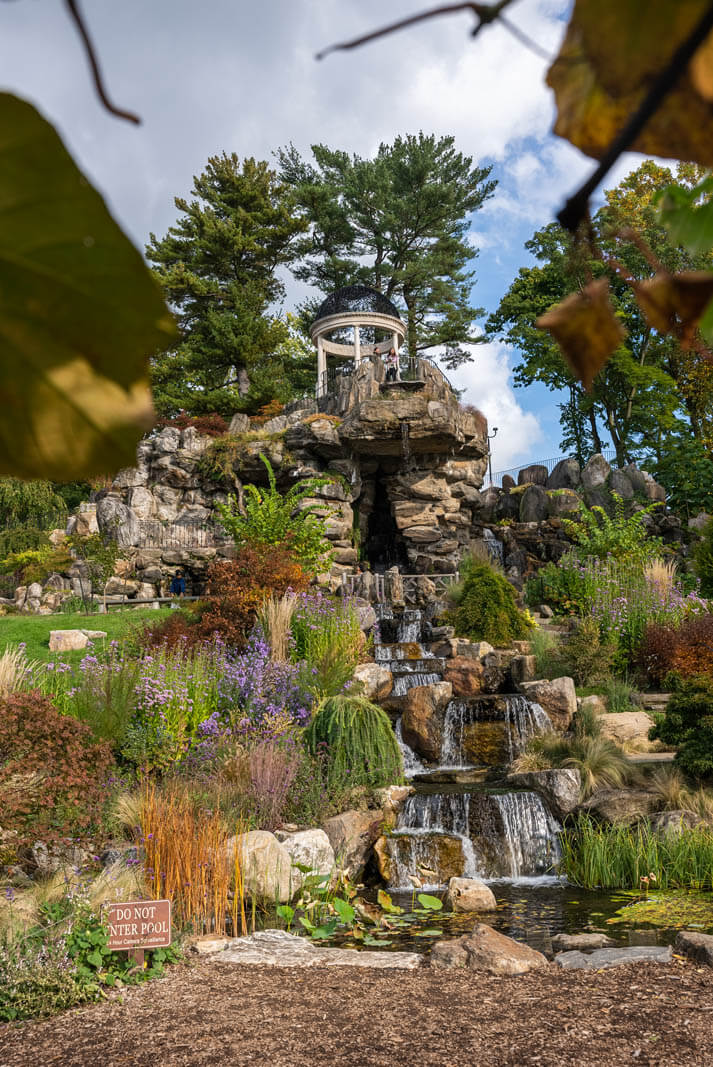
(79, 314)
(612, 51)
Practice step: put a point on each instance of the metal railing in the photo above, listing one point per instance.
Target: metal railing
(411, 369)
(156, 534)
(353, 584)
(609, 454)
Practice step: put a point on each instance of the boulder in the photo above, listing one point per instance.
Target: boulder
(375, 679)
(563, 502)
(620, 483)
(239, 423)
(559, 787)
(391, 800)
(266, 866)
(699, 521)
(594, 703)
(469, 894)
(565, 475)
(423, 717)
(523, 669)
(675, 822)
(698, 947)
(95, 635)
(311, 848)
(581, 942)
(121, 587)
(352, 835)
(620, 805)
(628, 728)
(67, 640)
(465, 676)
(535, 474)
(603, 958)
(487, 950)
(596, 472)
(533, 504)
(557, 697)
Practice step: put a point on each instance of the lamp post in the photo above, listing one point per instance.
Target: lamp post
(490, 455)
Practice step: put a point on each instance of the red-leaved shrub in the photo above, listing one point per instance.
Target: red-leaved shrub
(175, 629)
(53, 775)
(213, 425)
(237, 589)
(686, 650)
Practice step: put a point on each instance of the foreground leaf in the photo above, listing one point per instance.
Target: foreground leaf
(612, 51)
(586, 329)
(675, 303)
(79, 314)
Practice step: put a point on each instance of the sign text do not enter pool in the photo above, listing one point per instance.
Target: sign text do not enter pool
(139, 924)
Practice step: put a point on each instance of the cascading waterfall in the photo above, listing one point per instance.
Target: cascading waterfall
(524, 720)
(414, 845)
(530, 834)
(412, 764)
(452, 755)
(410, 626)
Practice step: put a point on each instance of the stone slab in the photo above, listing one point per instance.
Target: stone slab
(614, 957)
(277, 948)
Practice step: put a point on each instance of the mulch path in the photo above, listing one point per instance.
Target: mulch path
(215, 1013)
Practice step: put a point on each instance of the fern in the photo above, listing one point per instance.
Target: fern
(600, 535)
(271, 518)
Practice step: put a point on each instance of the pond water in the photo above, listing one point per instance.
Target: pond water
(535, 910)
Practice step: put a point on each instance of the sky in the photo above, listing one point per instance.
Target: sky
(239, 76)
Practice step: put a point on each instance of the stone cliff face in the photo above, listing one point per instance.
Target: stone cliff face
(406, 461)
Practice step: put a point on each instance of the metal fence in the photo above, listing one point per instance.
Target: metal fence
(550, 464)
(156, 534)
(411, 369)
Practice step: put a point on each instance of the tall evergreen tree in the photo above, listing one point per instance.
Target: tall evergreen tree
(398, 222)
(217, 266)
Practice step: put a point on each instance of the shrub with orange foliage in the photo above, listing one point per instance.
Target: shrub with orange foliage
(237, 589)
(177, 628)
(213, 425)
(686, 650)
(53, 775)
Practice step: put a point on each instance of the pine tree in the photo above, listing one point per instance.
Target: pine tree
(217, 266)
(399, 223)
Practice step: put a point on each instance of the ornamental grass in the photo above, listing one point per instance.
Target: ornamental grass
(618, 857)
(189, 861)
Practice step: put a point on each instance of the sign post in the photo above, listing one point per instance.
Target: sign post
(138, 925)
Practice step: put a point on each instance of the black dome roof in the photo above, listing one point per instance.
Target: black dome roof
(356, 298)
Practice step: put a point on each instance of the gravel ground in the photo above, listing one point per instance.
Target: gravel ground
(215, 1013)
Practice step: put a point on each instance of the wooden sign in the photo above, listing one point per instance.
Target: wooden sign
(139, 924)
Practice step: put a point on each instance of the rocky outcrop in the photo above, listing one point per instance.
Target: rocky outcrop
(310, 848)
(486, 950)
(698, 947)
(620, 805)
(629, 729)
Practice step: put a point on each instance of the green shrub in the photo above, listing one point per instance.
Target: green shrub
(271, 519)
(616, 857)
(621, 536)
(326, 635)
(688, 723)
(485, 607)
(359, 742)
(703, 560)
(584, 654)
(545, 649)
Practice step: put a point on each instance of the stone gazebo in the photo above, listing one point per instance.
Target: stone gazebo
(346, 311)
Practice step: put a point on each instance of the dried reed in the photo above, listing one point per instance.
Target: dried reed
(661, 572)
(189, 861)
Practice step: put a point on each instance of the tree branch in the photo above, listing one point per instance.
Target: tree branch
(484, 13)
(576, 208)
(76, 15)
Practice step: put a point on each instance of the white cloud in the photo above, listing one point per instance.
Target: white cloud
(488, 386)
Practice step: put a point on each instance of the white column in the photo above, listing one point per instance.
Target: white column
(321, 369)
(395, 342)
(357, 347)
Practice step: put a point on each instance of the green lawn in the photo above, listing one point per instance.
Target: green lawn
(34, 630)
